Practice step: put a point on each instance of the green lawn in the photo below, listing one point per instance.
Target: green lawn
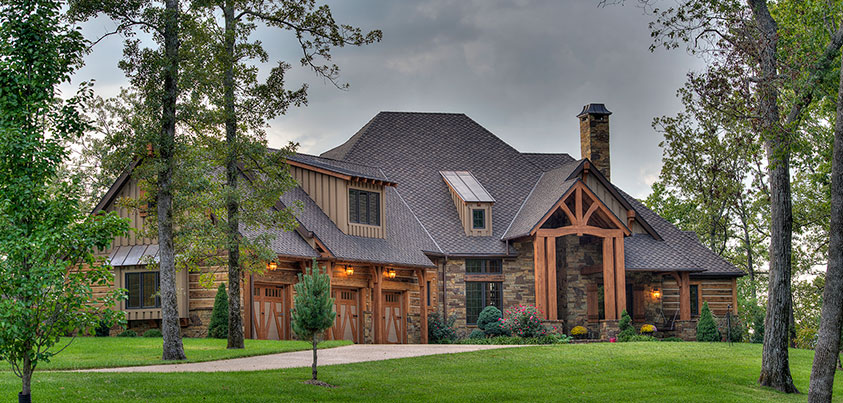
(104, 352)
(647, 372)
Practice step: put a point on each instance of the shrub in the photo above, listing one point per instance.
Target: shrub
(512, 340)
(524, 321)
(440, 331)
(626, 328)
(103, 329)
(672, 339)
(218, 328)
(490, 322)
(128, 333)
(757, 325)
(152, 333)
(736, 331)
(579, 332)
(641, 337)
(648, 329)
(477, 334)
(706, 327)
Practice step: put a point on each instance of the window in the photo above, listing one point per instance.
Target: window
(143, 290)
(479, 295)
(364, 207)
(478, 219)
(483, 266)
(695, 300)
(428, 293)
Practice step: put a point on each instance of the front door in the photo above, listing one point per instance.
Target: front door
(395, 324)
(271, 321)
(347, 307)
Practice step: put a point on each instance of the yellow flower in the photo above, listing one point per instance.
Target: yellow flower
(648, 329)
(579, 331)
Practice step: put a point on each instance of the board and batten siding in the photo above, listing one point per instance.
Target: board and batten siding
(719, 293)
(612, 203)
(130, 190)
(331, 195)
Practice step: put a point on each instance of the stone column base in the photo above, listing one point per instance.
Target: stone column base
(686, 329)
(608, 329)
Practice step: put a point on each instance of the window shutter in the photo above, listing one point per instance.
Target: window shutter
(362, 207)
(352, 206)
(374, 209)
(591, 302)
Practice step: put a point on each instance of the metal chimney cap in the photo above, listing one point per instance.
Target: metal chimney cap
(594, 109)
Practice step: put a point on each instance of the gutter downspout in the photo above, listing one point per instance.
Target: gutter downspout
(444, 289)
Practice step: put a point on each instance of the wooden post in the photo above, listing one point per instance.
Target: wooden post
(540, 270)
(377, 302)
(609, 302)
(405, 309)
(247, 296)
(684, 296)
(550, 249)
(591, 302)
(620, 274)
(420, 274)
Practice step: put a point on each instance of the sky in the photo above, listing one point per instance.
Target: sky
(523, 69)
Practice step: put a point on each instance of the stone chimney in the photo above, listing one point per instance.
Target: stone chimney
(594, 136)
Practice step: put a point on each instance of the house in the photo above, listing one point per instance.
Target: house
(429, 212)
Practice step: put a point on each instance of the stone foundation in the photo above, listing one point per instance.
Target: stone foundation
(686, 330)
(608, 329)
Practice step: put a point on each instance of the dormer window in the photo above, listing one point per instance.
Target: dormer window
(364, 207)
(478, 218)
(472, 200)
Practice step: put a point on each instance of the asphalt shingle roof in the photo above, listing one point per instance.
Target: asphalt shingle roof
(547, 192)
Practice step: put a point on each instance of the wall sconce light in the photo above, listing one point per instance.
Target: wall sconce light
(271, 266)
(657, 293)
(349, 270)
(390, 274)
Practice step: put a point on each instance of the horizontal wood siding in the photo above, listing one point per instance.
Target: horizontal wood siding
(717, 292)
(130, 190)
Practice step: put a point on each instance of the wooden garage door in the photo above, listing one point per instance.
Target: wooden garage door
(271, 320)
(347, 306)
(394, 317)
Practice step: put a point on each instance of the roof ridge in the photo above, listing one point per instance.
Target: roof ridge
(342, 161)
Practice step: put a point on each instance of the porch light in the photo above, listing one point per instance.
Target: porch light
(657, 293)
(271, 265)
(349, 270)
(390, 274)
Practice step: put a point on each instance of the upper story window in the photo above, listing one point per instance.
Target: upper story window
(143, 290)
(483, 266)
(364, 207)
(478, 219)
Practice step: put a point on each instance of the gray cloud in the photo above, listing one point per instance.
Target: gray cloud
(523, 69)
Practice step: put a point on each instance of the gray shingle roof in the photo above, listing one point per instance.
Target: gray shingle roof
(284, 243)
(405, 241)
(550, 187)
(548, 161)
(343, 167)
(643, 252)
(412, 148)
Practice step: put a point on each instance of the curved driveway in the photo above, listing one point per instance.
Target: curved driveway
(329, 356)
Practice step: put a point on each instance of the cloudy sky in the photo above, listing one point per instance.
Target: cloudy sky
(523, 69)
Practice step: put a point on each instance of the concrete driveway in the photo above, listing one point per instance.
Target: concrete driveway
(330, 356)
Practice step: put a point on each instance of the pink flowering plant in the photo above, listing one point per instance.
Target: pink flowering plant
(525, 321)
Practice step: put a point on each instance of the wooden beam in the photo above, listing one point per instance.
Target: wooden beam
(377, 302)
(578, 204)
(591, 210)
(420, 274)
(550, 250)
(247, 296)
(684, 296)
(587, 270)
(620, 274)
(609, 302)
(317, 169)
(605, 209)
(630, 218)
(540, 271)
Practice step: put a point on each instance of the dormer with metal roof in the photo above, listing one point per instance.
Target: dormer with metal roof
(472, 200)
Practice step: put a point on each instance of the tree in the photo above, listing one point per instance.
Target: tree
(218, 328)
(627, 331)
(244, 105)
(706, 326)
(742, 42)
(826, 353)
(48, 244)
(155, 73)
(314, 307)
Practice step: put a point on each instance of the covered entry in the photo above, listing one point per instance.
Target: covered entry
(271, 307)
(347, 306)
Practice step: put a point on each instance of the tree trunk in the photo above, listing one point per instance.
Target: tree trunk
(826, 353)
(173, 349)
(775, 365)
(232, 203)
(25, 396)
(315, 335)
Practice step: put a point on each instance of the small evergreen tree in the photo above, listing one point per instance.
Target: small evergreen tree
(218, 328)
(490, 322)
(627, 331)
(706, 326)
(314, 307)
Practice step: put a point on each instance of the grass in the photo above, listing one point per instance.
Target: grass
(647, 372)
(109, 352)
